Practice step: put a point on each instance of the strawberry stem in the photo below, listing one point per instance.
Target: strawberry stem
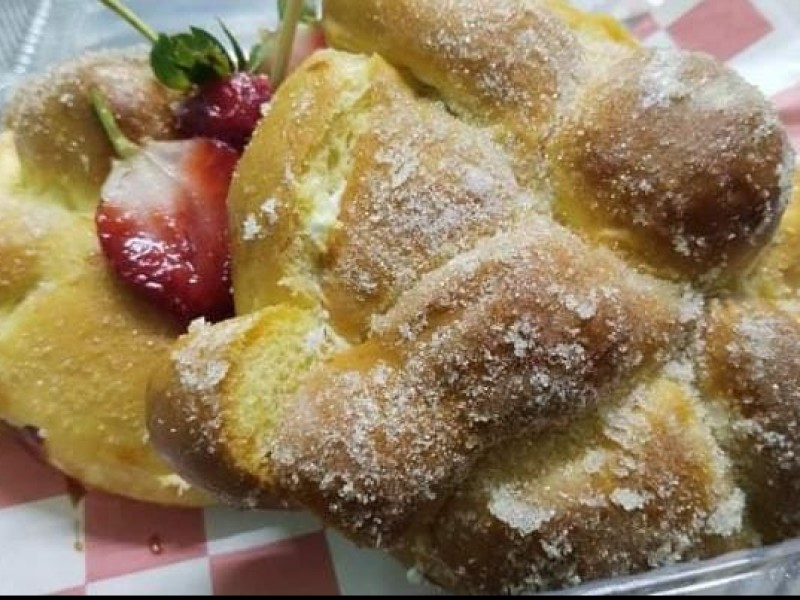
(122, 145)
(294, 10)
(126, 13)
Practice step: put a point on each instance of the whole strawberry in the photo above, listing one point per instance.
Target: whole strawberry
(226, 92)
(225, 109)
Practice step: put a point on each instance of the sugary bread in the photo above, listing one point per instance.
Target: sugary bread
(670, 158)
(750, 357)
(289, 254)
(77, 349)
(77, 352)
(528, 331)
(776, 275)
(666, 155)
(273, 241)
(639, 484)
(529, 226)
(389, 186)
(511, 67)
(234, 379)
(510, 299)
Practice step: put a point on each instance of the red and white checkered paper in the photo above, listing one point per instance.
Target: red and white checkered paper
(108, 545)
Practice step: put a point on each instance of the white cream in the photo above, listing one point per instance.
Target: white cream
(324, 217)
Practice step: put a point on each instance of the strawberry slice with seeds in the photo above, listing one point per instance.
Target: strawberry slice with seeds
(162, 224)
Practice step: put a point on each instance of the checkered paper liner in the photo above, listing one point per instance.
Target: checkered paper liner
(54, 542)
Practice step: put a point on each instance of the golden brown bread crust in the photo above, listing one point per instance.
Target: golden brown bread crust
(392, 188)
(751, 359)
(76, 353)
(274, 255)
(518, 64)
(38, 242)
(776, 275)
(677, 160)
(221, 392)
(384, 438)
(60, 142)
(421, 188)
(429, 44)
(270, 248)
(529, 330)
(396, 164)
(266, 172)
(197, 367)
(667, 155)
(76, 347)
(640, 485)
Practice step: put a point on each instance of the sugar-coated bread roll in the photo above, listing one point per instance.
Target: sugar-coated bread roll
(532, 250)
(528, 331)
(776, 275)
(229, 385)
(750, 354)
(666, 154)
(77, 352)
(675, 159)
(510, 66)
(388, 187)
(640, 484)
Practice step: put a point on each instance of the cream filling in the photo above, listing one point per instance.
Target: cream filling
(321, 189)
(324, 217)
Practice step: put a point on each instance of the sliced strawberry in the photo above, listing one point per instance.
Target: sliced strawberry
(162, 224)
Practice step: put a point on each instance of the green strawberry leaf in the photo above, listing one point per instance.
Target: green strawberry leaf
(186, 59)
(241, 60)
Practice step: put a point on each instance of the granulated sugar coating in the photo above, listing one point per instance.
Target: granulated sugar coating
(498, 340)
(676, 161)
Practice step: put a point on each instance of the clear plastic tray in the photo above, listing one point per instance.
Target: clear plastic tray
(37, 33)
(773, 570)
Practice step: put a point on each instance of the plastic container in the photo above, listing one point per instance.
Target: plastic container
(38, 33)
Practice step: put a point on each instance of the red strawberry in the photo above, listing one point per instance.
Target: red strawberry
(162, 224)
(225, 109)
(228, 109)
